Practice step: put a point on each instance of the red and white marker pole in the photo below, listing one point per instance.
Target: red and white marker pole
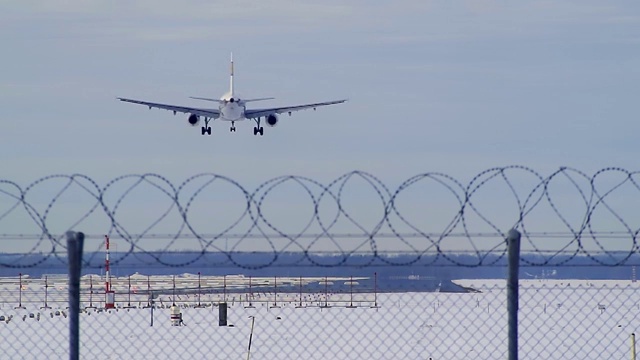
(109, 294)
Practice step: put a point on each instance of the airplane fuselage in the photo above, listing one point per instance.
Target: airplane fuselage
(232, 111)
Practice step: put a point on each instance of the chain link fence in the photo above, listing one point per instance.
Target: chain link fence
(558, 319)
(331, 286)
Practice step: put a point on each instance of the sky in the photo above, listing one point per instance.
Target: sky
(433, 86)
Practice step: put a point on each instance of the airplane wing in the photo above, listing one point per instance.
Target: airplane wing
(212, 113)
(256, 113)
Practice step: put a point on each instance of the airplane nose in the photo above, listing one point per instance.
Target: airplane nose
(232, 100)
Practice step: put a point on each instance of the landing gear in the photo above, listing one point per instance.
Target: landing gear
(233, 126)
(206, 128)
(258, 129)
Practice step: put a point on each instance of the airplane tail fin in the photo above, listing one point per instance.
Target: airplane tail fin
(231, 78)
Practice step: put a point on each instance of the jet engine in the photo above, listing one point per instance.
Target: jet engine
(193, 119)
(272, 120)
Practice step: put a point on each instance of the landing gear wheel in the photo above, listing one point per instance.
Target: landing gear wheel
(233, 129)
(206, 128)
(258, 129)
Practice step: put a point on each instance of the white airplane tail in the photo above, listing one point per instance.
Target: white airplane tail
(231, 93)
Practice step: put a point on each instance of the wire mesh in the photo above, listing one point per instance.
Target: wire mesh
(282, 273)
(558, 319)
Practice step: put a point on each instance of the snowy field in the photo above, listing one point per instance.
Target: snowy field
(559, 319)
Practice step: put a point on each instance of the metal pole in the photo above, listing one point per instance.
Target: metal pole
(633, 346)
(149, 291)
(375, 289)
(326, 292)
(75, 242)
(513, 248)
(20, 292)
(275, 286)
(91, 291)
(46, 288)
(199, 287)
(253, 320)
(351, 294)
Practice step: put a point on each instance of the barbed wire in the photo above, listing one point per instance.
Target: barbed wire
(429, 218)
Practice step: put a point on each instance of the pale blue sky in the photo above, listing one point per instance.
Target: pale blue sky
(447, 86)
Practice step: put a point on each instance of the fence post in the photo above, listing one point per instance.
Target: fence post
(513, 249)
(75, 241)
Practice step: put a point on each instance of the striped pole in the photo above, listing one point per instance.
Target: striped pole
(109, 302)
(106, 266)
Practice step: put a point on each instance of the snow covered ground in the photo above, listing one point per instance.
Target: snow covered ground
(559, 319)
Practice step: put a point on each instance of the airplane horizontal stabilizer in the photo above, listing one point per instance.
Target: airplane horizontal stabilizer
(207, 99)
(258, 99)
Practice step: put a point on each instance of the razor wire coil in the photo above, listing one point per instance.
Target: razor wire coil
(603, 204)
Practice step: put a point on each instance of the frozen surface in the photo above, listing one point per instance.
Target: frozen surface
(562, 319)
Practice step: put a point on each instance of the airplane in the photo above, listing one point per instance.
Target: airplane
(232, 108)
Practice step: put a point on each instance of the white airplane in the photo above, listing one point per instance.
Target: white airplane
(232, 108)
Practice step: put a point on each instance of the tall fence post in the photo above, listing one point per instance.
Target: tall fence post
(513, 249)
(75, 242)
